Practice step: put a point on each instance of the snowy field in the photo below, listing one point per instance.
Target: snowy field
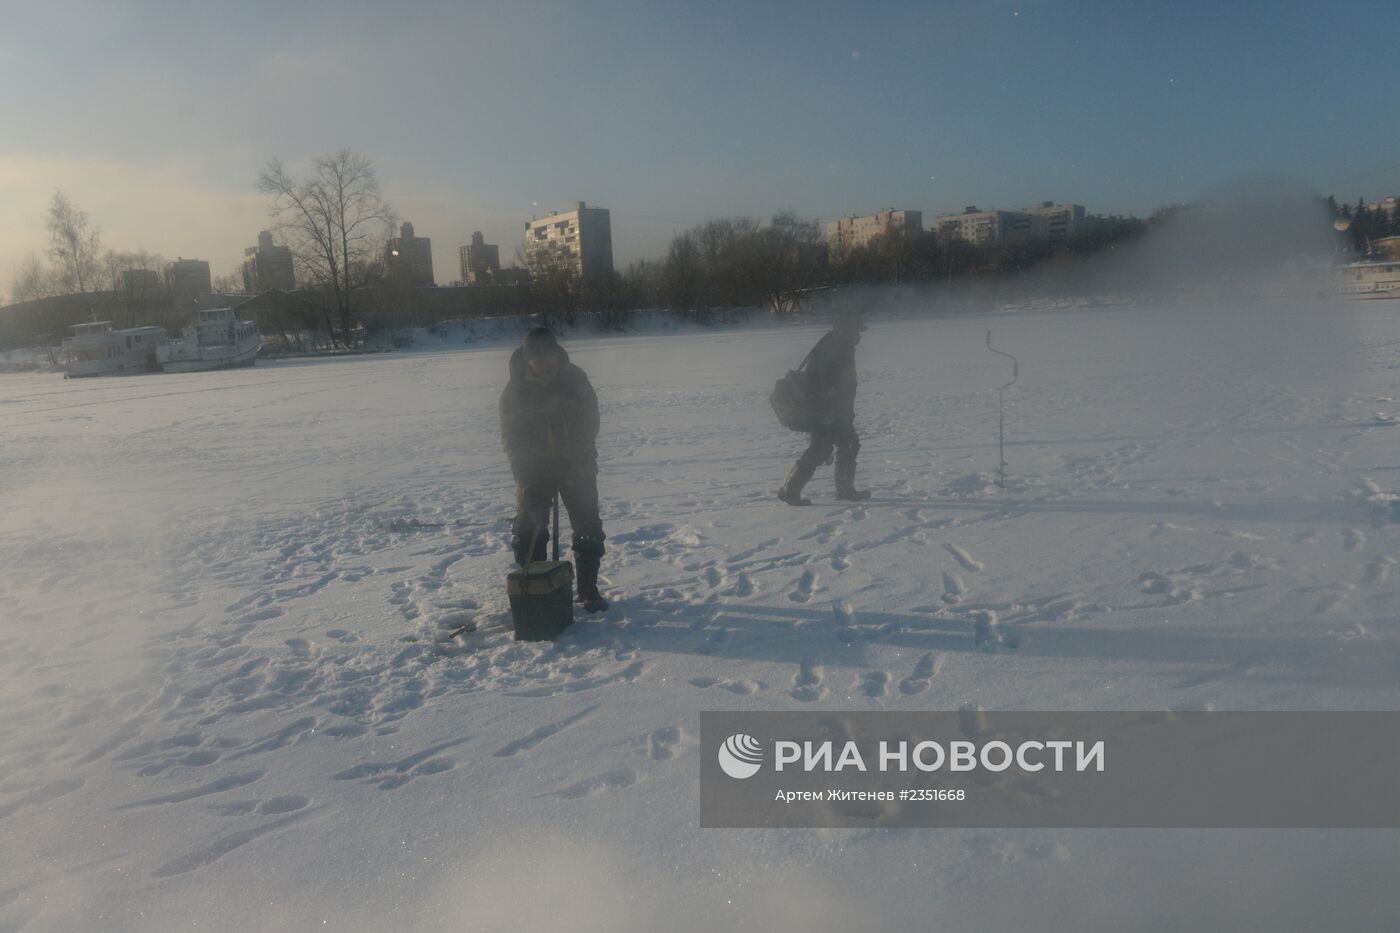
(228, 700)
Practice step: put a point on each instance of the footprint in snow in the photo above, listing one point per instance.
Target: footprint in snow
(807, 684)
(737, 687)
(1378, 570)
(1329, 600)
(988, 632)
(918, 680)
(839, 559)
(663, 744)
(223, 784)
(301, 648)
(805, 586)
(742, 587)
(223, 845)
(953, 589)
(391, 774)
(970, 564)
(600, 784)
(288, 803)
(874, 683)
(548, 730)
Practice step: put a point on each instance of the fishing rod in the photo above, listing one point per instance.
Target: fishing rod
(1001, 410)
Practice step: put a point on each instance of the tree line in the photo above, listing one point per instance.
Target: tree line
(77, 263)
(337, 223)
(1364, 225)
(745, 262)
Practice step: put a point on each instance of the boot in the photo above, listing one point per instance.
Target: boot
(846, 484)
(520, 543)
(791, 491)
(586, 563)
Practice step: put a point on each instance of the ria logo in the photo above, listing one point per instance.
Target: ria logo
(741, 756)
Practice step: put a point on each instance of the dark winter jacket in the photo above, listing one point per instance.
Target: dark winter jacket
(549, 428)
(832, 371)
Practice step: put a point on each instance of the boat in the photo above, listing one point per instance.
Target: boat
(99, 349)
(1370, 278)
(216, 339)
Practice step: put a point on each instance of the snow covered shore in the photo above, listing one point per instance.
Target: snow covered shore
(228, 700)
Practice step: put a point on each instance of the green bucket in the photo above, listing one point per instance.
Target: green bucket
(541, 599)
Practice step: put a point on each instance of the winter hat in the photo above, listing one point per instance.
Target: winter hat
(539, 341)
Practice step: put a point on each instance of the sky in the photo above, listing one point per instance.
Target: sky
(155, 118)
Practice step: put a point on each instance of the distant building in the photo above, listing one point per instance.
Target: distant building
(411, 256)
(980, 228)
(853, 232)
(481, 261)
(579, 241)
(267, 266)
(1056, 223)
(1049, 222)
(140, 281)
(1387, 247)
(1384, 206)
(513, 275)
(188, 281)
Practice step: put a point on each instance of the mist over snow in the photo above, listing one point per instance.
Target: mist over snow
(230, 699)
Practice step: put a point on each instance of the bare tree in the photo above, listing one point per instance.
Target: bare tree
(725, 245)
(683, 275)
(641, 284)
(783, 259)
(740, 262)
(556, 288)
(896, 247)
(32, 281)
(112, 264)
(133, 282)
(115, 266)
(231, 284)
(73, 245)
(335, 220)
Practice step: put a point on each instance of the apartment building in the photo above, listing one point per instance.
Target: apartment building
(577, 241)
(852, 232)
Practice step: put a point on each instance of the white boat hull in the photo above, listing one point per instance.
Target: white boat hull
(96, 349)
(216, 340)
(86, 369)
(1368, 279)
(210, 358)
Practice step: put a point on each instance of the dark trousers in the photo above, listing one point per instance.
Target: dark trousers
(839, 436)
(534, 499)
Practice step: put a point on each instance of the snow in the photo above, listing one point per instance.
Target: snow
(25, 360)
(229, 700)
(511, 328)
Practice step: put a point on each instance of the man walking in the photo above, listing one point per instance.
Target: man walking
(549, 425)
(832, 378)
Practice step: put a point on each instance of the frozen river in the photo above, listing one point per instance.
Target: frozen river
(228, 699)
